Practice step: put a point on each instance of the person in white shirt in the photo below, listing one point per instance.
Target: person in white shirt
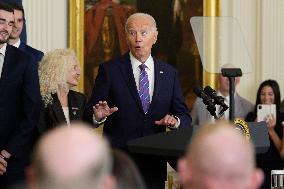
(200, 114)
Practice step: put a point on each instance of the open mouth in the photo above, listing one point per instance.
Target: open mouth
(138, 47)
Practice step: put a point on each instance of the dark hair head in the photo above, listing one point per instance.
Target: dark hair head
(16, 6)
(275, 87)
(126, 172)
(6, 7)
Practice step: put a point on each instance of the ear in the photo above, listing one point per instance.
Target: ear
(155, 37)
(257, 178)
(238, 80)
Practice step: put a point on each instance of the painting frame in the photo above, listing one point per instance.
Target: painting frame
(76, 33)
(76, 10)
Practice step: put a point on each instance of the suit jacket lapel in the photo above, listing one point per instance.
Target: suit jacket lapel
(57, 109)
(158, 82)
(22, 46)
(127, 73)
(73, 106)
(9, 57)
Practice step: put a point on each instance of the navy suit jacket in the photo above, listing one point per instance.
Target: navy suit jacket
(19, 106)
(53, 115)
(115, 84)
(36, 53)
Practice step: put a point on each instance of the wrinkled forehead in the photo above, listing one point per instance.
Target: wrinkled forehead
(140, 23)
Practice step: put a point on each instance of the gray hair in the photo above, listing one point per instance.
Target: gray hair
(139, 14)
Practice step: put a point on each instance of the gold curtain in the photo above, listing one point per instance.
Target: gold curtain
(76, 33)
(211, 8)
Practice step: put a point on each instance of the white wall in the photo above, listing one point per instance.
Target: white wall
(272, 46)
(46, 22)
(263, 30)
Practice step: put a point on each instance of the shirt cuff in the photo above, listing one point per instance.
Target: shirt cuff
(98, 122)
(177, 123)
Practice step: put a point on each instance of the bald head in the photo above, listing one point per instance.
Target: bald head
(69, 155)
(222, 157)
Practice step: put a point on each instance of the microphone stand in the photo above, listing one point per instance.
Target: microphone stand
(231, 73)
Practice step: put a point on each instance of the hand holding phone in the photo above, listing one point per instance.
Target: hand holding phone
(265, 111)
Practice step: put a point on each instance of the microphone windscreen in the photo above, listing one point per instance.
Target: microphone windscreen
(208, 90)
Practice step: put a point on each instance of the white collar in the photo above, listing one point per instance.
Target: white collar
(17, 44)
(136, 63)
(3, 49)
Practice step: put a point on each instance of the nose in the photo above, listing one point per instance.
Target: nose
(138, 37)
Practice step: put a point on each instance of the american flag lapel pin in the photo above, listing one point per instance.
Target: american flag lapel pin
(74, 110)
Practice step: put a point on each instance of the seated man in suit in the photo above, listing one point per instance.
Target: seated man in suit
(200, 114)
(14, 38)
(219, 156)
(19, 104)
(137, 95)
(72, 157)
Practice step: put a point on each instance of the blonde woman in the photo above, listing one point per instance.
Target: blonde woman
(59, 73)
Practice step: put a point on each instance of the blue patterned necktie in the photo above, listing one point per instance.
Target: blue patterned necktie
(144, 88)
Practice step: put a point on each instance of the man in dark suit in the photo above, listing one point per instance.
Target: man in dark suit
(14, 38)
(19, 102)
(145, 96)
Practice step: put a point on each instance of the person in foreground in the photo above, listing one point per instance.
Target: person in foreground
(59, 73)
(125, 172)
(200, 114)
(71, 158)
(269, 93)
(137, 95)
(219, 156)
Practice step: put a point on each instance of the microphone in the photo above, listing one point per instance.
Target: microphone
(217, 99)
(210, 105)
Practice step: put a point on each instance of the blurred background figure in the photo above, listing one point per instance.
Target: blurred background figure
(211, 163)
(125, 172)
(59, 73)
(71, 158)
(23, 35)
(269, 93)
(200, 115)
(14, 38)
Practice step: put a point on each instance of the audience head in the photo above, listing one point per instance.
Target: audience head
(269, 93)
(71, 157)
(6, 22)
(141, 35)
(58, 70)
(125, 172)
(19, 23)
(219, 156)
(224, 84)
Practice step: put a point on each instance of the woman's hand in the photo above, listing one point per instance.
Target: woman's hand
(271, 122)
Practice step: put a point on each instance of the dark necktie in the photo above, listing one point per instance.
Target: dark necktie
(144, 88)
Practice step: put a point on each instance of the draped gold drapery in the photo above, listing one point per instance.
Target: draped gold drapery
(211, 8)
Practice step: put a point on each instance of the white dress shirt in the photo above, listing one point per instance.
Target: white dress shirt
(17, 44)
(149, 69)
(2, 56)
